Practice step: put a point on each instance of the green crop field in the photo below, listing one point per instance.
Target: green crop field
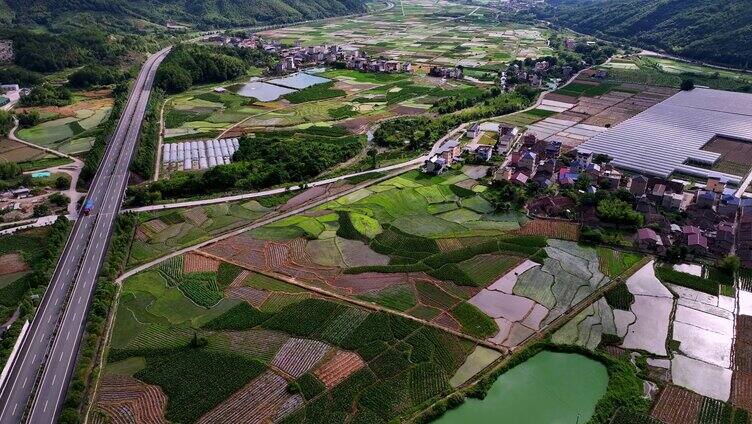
(226, 348)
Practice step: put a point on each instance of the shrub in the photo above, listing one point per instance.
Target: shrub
(310, 386)
(240, 317)
(474, 322)
(619, 297)
(668, 275)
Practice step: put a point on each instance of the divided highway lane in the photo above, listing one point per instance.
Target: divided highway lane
(59, 323)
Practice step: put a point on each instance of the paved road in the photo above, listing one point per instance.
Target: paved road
(39, 377)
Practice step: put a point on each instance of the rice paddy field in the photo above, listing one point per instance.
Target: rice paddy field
(70, 129)
(429, 33)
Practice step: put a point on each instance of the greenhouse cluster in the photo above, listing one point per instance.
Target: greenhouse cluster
(198, 155)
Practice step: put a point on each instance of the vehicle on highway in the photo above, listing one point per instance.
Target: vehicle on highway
(88, 206)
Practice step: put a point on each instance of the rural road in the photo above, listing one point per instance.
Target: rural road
(38, 379)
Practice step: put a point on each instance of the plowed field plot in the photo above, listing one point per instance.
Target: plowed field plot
(677, 406)
(264, 399)
(12, 263)
(126, 400)
(193, 262)
(551, 229)
(298, 356)
(340, 366)
(741, 390)
(256, 343)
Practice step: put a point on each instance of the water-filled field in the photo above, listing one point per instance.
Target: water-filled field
(539, 391)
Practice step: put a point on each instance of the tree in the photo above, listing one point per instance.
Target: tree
(59, 199)
(28, 119)
(619, 212)
(730, 264)
(42, 209)
(62, 183)
(6, 122)
(372, 156)
(687, 85)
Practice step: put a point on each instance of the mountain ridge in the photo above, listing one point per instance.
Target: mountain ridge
(695, 29)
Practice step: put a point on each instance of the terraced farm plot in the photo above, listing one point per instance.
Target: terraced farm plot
(162, 232)
(249, 372)
(125, 399)
(71, 129)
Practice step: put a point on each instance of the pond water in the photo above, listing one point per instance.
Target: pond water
(262, 91)
(299, 80)
(550, 388)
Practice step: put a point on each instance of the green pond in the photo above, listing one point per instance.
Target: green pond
(550, 388)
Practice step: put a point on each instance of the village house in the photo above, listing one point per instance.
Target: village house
(724, 238)
(451, 73)
(637, 185)
(474, 130)
(697, 245)
(484, 152)
(551, 206)
(744, 240)
(705, 199)
(528, 162)
(519, 179)
(649, 241)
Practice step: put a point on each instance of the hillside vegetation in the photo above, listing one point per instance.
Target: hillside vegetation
(199, 13)
(696, 29)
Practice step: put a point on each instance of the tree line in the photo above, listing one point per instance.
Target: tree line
(187, 65)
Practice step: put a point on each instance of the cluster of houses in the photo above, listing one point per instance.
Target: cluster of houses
(452, 150)
(446, 72)
(710, 221)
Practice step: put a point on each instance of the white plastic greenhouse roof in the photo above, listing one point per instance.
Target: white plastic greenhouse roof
(661, 139)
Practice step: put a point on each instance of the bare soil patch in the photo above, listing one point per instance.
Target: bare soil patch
(340, 366)
(677, 406)
(12, 263)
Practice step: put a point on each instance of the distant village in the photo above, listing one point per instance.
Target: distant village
(540, 73)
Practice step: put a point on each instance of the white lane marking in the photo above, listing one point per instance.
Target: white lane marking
(34, 358)
(67, 336)
(79, 299)
(61, 358)
(14, 408)
(45, 405)
(74, 315)
(54, 377)
(24, 383)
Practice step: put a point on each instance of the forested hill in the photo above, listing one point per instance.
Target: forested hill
(202, 14)
(713, 31)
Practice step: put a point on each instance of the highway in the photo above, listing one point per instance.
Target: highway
(38, 379)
